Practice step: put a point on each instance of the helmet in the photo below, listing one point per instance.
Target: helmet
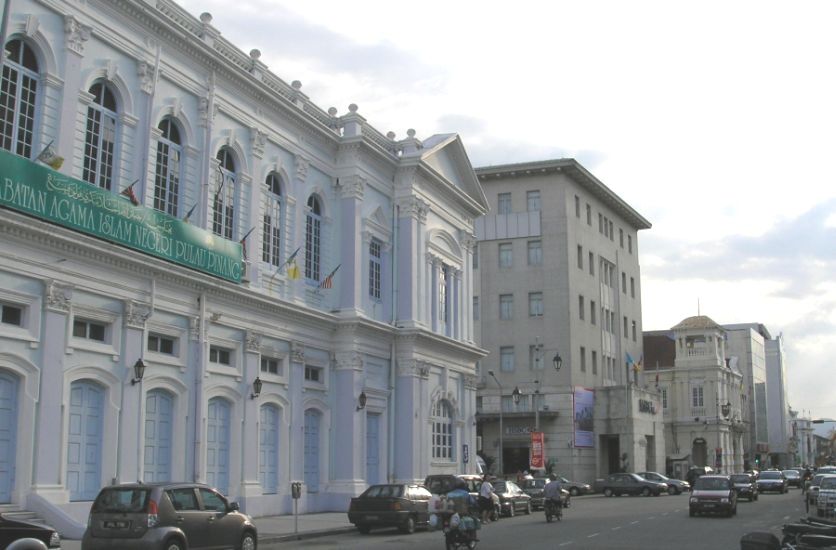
(553, 477)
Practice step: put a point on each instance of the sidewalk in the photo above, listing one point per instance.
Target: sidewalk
(283, 528)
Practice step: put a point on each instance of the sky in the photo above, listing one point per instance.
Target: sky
(716, 121)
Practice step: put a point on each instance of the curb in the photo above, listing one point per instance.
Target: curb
(269, 539)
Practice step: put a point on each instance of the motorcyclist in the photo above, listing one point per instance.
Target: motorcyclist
(552, 491)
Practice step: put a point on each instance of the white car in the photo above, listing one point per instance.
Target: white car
(826, 499)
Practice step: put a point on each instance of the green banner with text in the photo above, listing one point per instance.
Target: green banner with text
(33, 189)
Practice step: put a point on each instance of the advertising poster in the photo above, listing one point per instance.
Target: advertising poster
(538, 454)
(584, 405)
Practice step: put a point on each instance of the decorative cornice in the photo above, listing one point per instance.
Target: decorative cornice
(302, 165)
(136, 313)
(252, 342)
(57, 296)
(414, 368)
(414, 207)
(297, 352)
(259, 140)
(352, 187)
(349, 360)
(145, 72)
(76, 34)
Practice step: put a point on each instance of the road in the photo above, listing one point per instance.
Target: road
(597, 522)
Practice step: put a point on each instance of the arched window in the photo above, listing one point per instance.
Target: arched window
(100, 137)
(442, 435)
(313, 234)
(18, 97)
(375, 268)
(224, 202)
(167, 170)
(272, 231)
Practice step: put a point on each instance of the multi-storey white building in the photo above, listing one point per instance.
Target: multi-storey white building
(310, 321)
(558, 276)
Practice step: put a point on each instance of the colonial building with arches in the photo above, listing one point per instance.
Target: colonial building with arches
(205, 276)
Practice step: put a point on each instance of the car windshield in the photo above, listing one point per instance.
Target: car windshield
(790, 473)
(122, 499)
(499, 487)
(740, 478)
(384, 491)
(828, 483)
(711, 484)
(535, 483)
(771, 475)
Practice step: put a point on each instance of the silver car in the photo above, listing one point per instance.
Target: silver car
(166, 516)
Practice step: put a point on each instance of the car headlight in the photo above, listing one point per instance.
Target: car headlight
(694, 500)
(54, 540)
(724, 500)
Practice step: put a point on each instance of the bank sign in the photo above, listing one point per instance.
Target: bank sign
(37, 190)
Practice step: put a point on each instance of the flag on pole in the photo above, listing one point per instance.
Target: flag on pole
(243, 242)
(129, 193)
(629, 359)
(328, 281)
(189, 213)
(49, 157)
(292, 266)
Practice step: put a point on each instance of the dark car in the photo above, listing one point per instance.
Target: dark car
(675, 486)
(534, 489)
(794, 478)
(575, 488)
(169, 516)
(772, 480)
(398, 505)
(512, 499)
(746, 486)
(713, 494)
(441, 484)
(631, 484)
(696, 471)
(12, 529)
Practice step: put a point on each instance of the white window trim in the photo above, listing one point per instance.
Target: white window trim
(311, 385)
(179, 335)
(29, 330)
(113, 331)
(284, 363)
(234, 347)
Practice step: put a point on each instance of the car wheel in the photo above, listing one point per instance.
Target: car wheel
(409, 526)
(248, 542)
(365, 529)
(574, 491)
(174, 545)
(607, 492)
(646, 492)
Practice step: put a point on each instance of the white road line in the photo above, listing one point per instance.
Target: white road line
(616, 528)
(592, 535)
(566, 543)
(652, 517)
(664, 514)
(633, 522)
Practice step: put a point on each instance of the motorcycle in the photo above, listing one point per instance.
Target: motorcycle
(553, 510)
(460, 531)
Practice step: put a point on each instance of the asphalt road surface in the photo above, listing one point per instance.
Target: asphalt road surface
(597, 522)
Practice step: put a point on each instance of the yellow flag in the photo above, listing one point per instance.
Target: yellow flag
(49, 157)
(292, 271)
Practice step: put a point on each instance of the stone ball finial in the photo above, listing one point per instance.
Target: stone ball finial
(255, 54)
(332, 111)
(296, 85)
(410, 133)
(353, 107)
(206, 18)
(390, 134)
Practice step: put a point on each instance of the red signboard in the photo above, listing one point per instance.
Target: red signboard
(538, 454)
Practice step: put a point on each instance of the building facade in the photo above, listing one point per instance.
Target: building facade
(781, 453)
(557, 301)
(222, 282)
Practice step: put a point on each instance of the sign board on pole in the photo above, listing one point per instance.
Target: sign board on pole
(538, 454)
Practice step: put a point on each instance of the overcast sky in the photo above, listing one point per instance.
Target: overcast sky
(715, 120)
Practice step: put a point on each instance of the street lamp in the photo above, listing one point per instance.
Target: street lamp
(724, 410)
(501, 443)
(557, 361)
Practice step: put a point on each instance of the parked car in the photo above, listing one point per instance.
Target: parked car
(575, 488)
(512, 499)
(813, 491)
(13, 529)
(534, 488)
(772, 480)
(713, 494)
(826, 499)
(400, 505)
(169, 516)
(746, 486)
(441, 484)
(696, 471)
(631, 484)
(793, 477)
(675, 486)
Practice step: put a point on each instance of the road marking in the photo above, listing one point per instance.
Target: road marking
(652, 517)
(633, 522)
(616, 528)
(566, 543)
(592, 535)
(664, 514)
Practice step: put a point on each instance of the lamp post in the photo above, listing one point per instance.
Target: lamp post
(723, 412)
(501, 445)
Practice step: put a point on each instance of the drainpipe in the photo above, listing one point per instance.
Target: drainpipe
(390, 459)
(198, 386)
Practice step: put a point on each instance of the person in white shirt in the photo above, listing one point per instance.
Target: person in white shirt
(486, 499)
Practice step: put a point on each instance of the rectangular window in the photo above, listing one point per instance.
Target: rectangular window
(580, 257)
(583, 359)
(577, 207)
(612, 322)
(697, 397)
(535, 357)
(314, 374)
(506, 306)
(89, 330)
(475, 308)
(594, 362)
(220, 356)
(592, 311)
(592, 264)
(629, 244)
(535, 253)
(11, 315)
(503, 203)
(612, 231)
(533, 198)
(535, 304)
(634, 331)
(476, 257)
(161, 344)
(600, 223)
(581, 308)
(621, 237)
(664, 398)
(625, 327)
(632, 287)
(589, 215)
(623, 283)
(271, 365)
(506, 358)
(506, 255)
(375, 269)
